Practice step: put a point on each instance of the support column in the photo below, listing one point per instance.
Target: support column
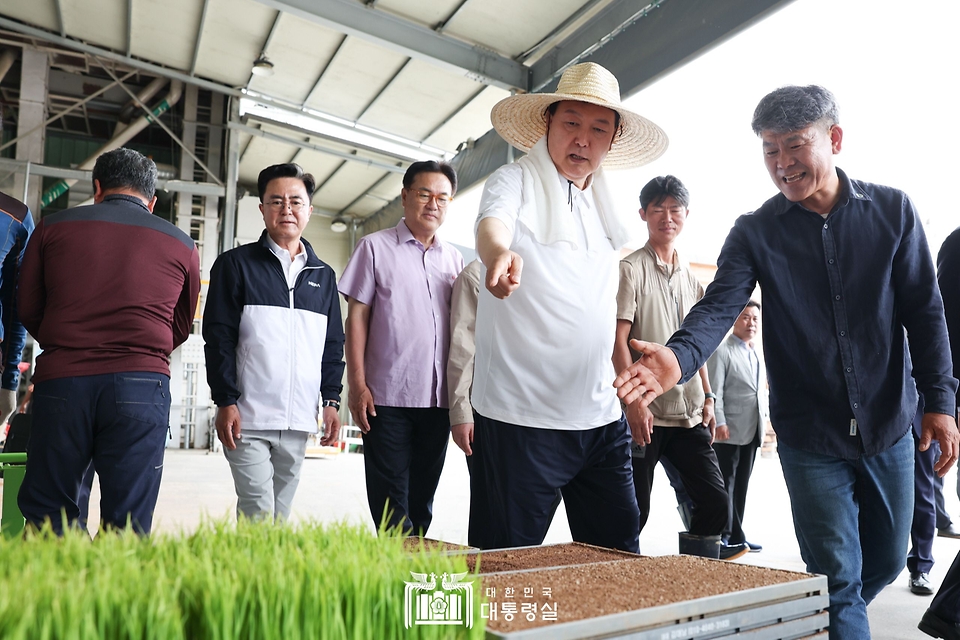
(182, 386)
(34, 83)
(228, 227)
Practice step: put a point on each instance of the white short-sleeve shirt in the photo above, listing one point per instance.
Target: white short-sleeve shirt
(544, 353)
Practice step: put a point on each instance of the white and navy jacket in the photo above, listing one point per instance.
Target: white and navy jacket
(273, 351)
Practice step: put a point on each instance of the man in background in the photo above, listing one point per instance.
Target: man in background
(108, 290)
(739, 379)
(657, 289)
(942, 619)
(16, 225)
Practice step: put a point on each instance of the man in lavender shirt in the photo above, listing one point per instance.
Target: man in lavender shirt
(398, 285)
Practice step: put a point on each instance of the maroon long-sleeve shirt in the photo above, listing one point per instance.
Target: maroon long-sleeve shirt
(107, 288)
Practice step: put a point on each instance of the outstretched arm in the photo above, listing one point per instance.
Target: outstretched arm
(503, 265)
(656, 369)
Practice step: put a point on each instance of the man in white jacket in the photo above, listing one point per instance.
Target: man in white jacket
(274, 348)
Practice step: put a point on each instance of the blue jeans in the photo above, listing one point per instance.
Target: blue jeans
(852, 519)
(118, 421)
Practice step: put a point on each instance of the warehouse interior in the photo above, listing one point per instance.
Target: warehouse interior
(354, 91)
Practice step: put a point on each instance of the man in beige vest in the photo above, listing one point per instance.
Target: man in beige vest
(656, 291)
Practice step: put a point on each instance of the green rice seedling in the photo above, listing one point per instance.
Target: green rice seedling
(252, 580)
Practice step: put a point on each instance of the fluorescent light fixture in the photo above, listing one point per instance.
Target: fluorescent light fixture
(339, 225)
(262, 67)
(339, 129)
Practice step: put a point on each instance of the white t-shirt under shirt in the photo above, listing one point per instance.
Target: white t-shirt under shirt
(544, 353)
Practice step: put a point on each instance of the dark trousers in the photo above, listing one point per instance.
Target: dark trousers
(517, 472)
(690, 452)
(943, 518)
(477, 512)
(736, 466)
(403, 456)
(117, 420)
(946, 603)
(684, 503)
(924, 528)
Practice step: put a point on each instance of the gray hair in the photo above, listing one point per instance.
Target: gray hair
(793, 108)
(126, 169)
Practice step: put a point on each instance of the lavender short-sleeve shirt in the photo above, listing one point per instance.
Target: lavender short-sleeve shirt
(408, 290)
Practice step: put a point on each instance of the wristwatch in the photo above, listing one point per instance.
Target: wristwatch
(331, 403)
(710, 396)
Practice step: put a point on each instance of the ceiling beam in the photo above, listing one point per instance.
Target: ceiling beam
(532, 53)
(410, 39)
(363, 195)
(60, 23)
(604, 27)
(641, 45)
(316, 85)
(666, 39)
(129, 43)
(440, 28)
(386, 86)
(196, 45)
(106, 54)
(266, 43)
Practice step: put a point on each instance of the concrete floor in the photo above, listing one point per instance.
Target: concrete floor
(198, 484)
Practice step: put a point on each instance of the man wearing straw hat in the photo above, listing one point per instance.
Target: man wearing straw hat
(548, 233)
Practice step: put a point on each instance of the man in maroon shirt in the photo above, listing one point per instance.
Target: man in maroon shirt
(108, 291)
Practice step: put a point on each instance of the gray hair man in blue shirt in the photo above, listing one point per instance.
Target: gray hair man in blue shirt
(846, 274)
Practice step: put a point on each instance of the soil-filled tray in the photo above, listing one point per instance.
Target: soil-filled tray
(683, 596)
(415, 543)
(553, 555)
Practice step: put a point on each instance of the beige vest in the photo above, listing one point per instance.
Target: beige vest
(656, 297)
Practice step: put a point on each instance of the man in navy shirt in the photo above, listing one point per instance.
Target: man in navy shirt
(846, 273)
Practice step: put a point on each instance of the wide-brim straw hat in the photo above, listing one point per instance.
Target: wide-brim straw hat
(521, 119)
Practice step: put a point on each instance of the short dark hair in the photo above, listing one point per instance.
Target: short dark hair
(751, 303)
(126, 169)
(285, 170)
(430, 166)
(793, 108)
(552, 110)
(662, 187)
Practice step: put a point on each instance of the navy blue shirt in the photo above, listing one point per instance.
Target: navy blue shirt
(948, 275)
(838, 295)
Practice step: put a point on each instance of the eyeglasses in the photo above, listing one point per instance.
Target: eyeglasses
(295, 205)
(442, 200)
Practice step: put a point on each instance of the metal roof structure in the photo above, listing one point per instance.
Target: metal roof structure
(359, 89)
